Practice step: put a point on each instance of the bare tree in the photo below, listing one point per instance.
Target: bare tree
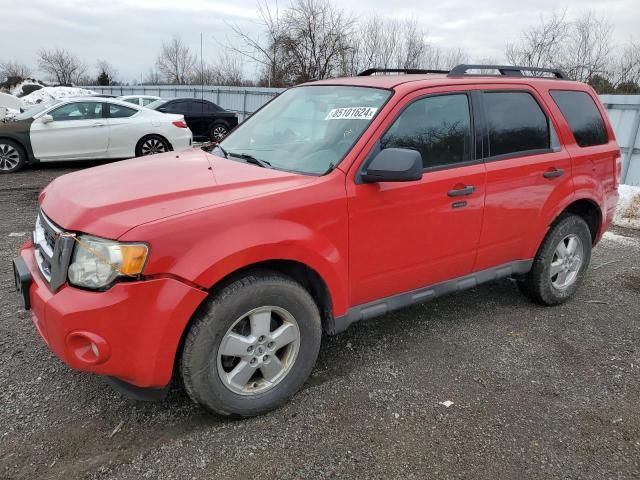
(176, 62)
(61, 65)
(316, 37)
(542, 45)
(626, 67)
(586, 51)
(13, 68)
(266, 50)
(152, 77)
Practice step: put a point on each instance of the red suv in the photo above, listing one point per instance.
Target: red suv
(339, 201)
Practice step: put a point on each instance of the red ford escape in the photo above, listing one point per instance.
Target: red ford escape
(339, 201)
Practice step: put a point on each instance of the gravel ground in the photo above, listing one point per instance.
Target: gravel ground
(537, 392)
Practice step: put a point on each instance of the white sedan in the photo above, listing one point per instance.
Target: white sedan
(142, 100)
(88, 128)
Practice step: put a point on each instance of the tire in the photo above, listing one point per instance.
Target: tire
(219, 130)
(558, 272)
(237, 312)
(151, 145)
(12, 156)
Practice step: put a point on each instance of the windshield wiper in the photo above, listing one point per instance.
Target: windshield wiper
(250, 159)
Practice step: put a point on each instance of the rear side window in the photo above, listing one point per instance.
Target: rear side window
(118, 111)
(515, 123)
(439, 127)
(583, 117)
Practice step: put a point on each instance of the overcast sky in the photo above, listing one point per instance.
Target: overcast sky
(128, 33)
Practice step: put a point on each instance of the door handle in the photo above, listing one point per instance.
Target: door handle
(460, 192)
(98, 125)
(553, 173)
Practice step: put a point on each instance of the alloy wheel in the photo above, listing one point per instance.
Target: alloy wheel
(259, 350)
(566, 262)
(9, 157)
(152, 146)
(219, 132)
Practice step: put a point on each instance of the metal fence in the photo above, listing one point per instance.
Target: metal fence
(624, 113)
(244, 101)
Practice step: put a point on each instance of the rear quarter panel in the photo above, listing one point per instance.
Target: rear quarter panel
(593, 168)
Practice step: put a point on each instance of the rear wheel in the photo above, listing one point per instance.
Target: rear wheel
(252, 346)
(150, 145)
(12, 156)
(561, 262)
(219, 131)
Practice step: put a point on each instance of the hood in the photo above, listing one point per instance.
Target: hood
(109, 200)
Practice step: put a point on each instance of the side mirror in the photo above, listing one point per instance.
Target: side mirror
(47, 118)
(394, 165)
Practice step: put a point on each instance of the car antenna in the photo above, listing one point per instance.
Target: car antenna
(201, 74)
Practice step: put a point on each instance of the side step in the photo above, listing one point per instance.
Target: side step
(421, 295)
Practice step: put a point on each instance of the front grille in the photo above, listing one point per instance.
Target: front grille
(52, 247)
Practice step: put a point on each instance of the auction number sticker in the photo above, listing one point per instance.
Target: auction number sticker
(351, 113)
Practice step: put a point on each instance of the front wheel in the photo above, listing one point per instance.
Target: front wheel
(252, 346)
(561, 262)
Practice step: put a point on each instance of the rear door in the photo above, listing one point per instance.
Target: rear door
(78, 131)
(126, 128)
(528, 173)
(404, 236)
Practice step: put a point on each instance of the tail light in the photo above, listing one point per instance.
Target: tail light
(180, 124)
(618, 170)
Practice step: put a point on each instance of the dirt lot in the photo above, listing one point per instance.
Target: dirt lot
(537, 392)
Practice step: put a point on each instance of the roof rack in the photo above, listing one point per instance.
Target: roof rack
(506, 70)
(371, 71)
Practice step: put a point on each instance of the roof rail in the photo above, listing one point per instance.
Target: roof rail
(371, 71)
(506, 70)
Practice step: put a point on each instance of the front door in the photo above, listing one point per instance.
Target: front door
(405, 236)
(78, 131)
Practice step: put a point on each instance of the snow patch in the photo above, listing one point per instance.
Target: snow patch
(621, 239)
(628, 209)
(17, 90)
(49, 93)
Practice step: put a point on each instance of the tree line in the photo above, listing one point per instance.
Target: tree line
(317, 39)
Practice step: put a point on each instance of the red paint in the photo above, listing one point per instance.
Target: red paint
(205, 217)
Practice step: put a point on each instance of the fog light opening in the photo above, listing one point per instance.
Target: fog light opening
(88, 348)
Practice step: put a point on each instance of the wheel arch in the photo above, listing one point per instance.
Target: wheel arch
(25, 145)
(300, 272)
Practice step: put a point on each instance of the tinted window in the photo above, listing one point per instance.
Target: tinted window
(515, 123)
(77, 111)
(582, 116)
(178, 107)
(118, 111)
(438, 127)
(135, 100)
(147, 101)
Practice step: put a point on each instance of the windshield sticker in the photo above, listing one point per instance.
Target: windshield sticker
(351, 113)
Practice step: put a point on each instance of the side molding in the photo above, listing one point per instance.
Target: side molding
(421, 295)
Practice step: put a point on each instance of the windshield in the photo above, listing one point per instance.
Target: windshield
(306, 129)
(36, 109)
(156, 104)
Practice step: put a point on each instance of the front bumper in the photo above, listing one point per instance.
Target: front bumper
(131, 331)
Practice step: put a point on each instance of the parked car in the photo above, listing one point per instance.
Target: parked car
(206, 120)
(85, 128)
(339, 201)
(142, 100)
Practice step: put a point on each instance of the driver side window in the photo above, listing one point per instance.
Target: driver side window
(78, 111)
(439, 127)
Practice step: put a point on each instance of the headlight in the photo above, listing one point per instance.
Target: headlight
(97, 262)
